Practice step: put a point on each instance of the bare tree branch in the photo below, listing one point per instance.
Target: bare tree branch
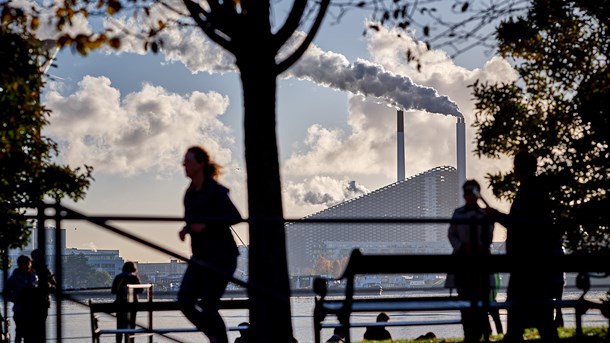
(292, 23)
(290, 60)
(201, 16)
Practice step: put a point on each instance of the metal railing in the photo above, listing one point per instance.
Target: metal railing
(58, 214)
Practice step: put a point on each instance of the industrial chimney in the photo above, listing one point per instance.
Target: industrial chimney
(460, 135)
(400, 136)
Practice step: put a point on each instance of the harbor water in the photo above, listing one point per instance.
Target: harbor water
(76, 324)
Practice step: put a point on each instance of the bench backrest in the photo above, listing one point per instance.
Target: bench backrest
(360, 263)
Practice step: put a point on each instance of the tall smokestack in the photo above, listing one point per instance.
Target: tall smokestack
(400, 136)
(460, 135)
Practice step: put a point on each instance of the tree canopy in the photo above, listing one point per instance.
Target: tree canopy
(78, 273)
(28, 172)
(556, 109)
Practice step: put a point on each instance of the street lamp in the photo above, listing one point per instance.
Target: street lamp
(51, 46)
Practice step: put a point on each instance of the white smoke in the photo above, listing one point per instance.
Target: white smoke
(362, 77)
(325, 68)
(321, 192)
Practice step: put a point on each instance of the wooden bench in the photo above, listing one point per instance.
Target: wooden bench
(151, 307)
(343, 306)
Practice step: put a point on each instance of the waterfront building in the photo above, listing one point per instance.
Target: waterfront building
(104, 260)
(167, 276)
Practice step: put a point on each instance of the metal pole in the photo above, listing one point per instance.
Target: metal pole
(58, 272)
(400, 146)
(460, 137)
(43, 281)
(5, 270)
(149, 293)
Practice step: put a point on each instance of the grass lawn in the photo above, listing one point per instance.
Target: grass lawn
(591, 335)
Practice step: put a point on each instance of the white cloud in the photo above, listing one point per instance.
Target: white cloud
(363, 151)
(48, 20)
(197, 52)
(144, 131)
(319, 192)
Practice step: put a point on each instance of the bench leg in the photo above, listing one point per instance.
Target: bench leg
(317, 333)
(579, 313)
(348, 336)
(95, 337)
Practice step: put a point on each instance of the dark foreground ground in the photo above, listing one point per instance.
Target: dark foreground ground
(591, 335)
(586, 339)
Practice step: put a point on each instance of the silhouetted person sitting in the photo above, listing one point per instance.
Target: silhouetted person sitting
(243, 333)
(378, 333)
(338, 335)
(428, 335)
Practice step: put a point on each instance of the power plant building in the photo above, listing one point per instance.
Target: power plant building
(430, 195)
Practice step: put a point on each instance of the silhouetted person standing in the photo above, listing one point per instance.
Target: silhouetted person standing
(209, 214)
(43, 294)
(126, 319)
(470, 233)
(531, 235)
(21, 289)
(495, 312)
(557, 294)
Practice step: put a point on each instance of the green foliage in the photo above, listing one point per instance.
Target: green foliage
(556, 109)
(28, 173)
(18, 19)
(100, 278)
(78, 273)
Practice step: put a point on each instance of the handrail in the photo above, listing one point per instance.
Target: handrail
(62, 213)
(131, 297)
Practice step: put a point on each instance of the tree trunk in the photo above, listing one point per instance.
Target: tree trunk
(270, 315)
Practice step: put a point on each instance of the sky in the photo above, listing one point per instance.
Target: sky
(131, 115)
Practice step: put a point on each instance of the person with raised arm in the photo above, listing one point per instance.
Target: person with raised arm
(530, 236)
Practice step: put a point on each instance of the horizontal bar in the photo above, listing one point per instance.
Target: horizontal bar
(111, 307)
(160, 331)
(395, 323)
